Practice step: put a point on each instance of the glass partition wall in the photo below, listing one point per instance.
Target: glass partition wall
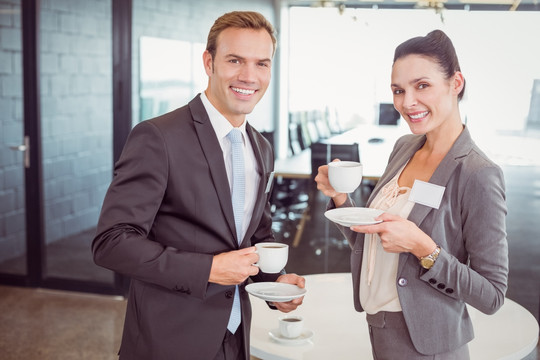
(56, 141)
(352, 59)
(12, 143)
(76, 123)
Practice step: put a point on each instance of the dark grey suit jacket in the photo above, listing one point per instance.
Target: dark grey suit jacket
(167, 212)
(469, 226)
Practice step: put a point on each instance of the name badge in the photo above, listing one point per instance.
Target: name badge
(269, 182)
(426, 194)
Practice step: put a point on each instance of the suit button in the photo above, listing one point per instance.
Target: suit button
(432, 281)
(228, 294)
(449, 291)
(441, 286)
(402, 282)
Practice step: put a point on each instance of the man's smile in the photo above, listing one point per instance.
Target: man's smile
(243, 91)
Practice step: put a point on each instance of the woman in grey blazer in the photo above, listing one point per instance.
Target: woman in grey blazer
(442, 243)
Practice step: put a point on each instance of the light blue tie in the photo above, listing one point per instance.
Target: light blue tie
(238, 195)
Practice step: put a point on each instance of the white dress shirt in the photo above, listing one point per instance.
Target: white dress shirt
(222, 127)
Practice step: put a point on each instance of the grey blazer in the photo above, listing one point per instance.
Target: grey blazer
(167, 211)
(469, 226)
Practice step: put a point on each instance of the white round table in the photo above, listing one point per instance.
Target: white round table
(342, 333)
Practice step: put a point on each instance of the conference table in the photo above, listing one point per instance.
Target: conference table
(375, 143)
(339, 332)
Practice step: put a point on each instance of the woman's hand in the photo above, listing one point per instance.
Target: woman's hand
(399, 235)
(323, 185)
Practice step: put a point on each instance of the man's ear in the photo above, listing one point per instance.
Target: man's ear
(208, 63)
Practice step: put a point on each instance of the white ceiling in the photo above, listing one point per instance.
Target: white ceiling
(450, 4)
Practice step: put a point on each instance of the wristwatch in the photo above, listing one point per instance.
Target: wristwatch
(427, 261)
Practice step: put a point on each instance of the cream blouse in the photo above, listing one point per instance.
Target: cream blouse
(378, 276)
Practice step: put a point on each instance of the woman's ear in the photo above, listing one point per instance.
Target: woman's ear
(458, 82)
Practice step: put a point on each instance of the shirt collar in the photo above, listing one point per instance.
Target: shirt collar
(221, 125)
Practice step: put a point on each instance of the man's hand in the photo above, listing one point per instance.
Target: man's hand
(293, 304)
(234, 267)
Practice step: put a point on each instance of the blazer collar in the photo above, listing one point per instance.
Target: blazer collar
(214, 156)
(260, 202)
(461, 147)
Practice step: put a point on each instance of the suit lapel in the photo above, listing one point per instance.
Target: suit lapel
(261, 168)
(214, 157)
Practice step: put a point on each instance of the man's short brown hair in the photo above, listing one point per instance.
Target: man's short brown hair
(241, 20)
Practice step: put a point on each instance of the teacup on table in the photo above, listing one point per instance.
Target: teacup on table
(345, 176)
(273, 256)
(291, 326)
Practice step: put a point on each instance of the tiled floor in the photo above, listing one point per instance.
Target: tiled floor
(43, 324)
(37, 324)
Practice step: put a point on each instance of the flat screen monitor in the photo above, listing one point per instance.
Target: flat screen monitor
(388, 115)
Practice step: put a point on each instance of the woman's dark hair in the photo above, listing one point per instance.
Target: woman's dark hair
(436, 45)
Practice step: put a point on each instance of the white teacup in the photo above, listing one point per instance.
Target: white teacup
(345, 176)
(273, 256)
(291, 326)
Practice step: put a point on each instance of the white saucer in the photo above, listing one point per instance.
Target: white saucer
(350, 216)
(274, 291)
(306, 336)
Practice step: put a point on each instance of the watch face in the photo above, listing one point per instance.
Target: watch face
(426, 263)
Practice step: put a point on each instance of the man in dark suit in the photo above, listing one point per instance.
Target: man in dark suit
(168, 223)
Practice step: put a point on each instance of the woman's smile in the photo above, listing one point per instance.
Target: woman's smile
(418, 116)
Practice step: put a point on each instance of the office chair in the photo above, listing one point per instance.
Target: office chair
(289, 196)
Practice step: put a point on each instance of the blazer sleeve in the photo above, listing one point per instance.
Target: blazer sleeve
(482, 282)
(132, 201)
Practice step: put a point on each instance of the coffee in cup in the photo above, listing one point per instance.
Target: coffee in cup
(291, 326)
(345, 176)
(272, 256)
